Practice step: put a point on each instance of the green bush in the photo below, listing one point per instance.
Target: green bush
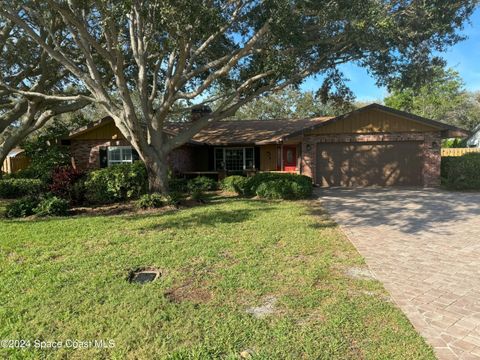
(150, 201)
(234, 183)
(35, 205)
(201, 183)
(462, 173)
(116, 183)
(16, 188)
(51, 206)
(172, 198)
(290, 186)
(22, 207)
(178, 185)
(282, 189)
(198, 195)
(77, 192)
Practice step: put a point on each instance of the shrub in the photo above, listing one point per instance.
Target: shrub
(15, 188)
(44, 149)
(177, 185)
(291, 186)
(22, 207)
(63, 180)
(172, 198)
(150, 201)
(116, 183)
(77, 192)
(198, 195)
(234, 183)
(463, 173)
(201, 183)
(51, 206)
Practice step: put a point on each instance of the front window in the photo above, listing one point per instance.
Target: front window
(234, 159)
(119, 155)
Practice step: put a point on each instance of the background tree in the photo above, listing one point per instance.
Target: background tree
(196, 52)
(44, 147)
(290, 103)
(443, 98)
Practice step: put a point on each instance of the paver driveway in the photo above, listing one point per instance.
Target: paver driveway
(424, 245)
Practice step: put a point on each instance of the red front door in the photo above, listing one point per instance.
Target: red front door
(290, 158)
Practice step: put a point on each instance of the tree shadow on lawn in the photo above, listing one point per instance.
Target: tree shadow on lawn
(171, 217)
(403, 209)
(323, 219)
(210, 217)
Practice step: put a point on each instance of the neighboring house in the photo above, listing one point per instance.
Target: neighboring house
(474, 139)
(16, 160)
(374, 145)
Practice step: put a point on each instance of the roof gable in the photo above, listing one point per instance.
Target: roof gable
(380, 118)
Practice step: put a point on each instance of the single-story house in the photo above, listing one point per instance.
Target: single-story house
(373, 145)
(474, 139)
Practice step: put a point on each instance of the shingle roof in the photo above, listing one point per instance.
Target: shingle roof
(261, 132)
(258, 132)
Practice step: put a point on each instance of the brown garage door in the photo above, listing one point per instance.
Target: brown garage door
(369, 164)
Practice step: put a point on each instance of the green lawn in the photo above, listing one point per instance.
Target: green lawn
(65, 278)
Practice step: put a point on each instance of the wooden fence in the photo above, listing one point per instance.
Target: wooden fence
(13, 164)
(458, 151)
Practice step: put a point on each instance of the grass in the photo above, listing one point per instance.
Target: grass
(65, 278)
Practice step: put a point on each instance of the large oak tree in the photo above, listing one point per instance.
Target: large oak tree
(33, 89)
(169, 52)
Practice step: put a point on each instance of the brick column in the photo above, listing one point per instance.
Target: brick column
(309, 149)
(431, 159)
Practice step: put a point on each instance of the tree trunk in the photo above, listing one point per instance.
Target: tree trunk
(157, 171)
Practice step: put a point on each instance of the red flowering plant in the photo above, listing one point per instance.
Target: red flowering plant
(65, 180)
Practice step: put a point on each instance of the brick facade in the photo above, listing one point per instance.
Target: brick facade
(86, 154)
(431, 142)
(181, 159)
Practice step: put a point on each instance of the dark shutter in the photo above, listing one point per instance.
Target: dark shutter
(257, 157)
(135, 156)
(103, 153)
(211, 159)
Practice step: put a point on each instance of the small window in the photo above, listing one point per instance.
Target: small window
(119, 155)
(289, 156)
(234, 159)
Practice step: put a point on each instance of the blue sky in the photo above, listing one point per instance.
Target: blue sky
(464, 57)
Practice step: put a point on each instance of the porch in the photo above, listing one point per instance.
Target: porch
(248, 159)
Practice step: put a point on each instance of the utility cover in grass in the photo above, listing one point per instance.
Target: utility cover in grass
(145, 275)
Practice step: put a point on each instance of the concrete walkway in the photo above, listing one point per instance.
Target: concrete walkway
(424, 245)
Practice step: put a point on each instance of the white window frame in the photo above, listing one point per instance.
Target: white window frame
(111, 162)
(224, 149)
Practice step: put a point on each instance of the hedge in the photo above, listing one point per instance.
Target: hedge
(234, 183)
(16, 188)
(270, 185)
(201, 183)
(461, 172)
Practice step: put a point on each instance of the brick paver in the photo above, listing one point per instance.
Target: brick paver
(424, 245)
